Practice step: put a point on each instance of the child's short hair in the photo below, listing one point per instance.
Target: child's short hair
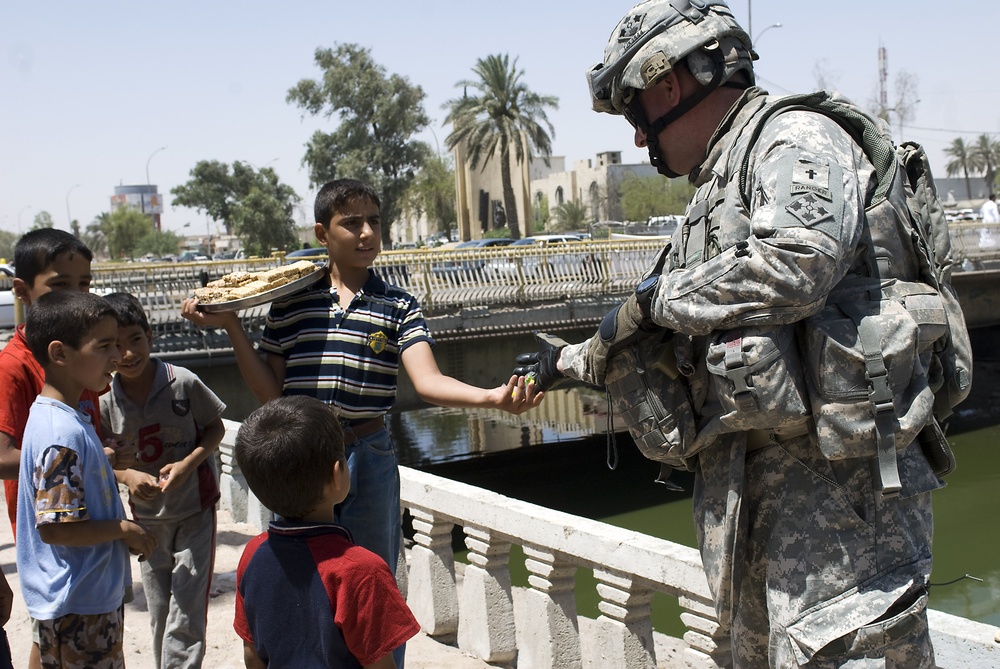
(335, 194)
(286, 450)
(37, 249)
(128, 310)
(63, 315)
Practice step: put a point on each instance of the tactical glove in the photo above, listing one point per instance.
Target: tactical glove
(539, 367)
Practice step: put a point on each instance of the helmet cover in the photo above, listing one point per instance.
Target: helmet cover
(657, 34)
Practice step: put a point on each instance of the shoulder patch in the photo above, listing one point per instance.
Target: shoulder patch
(810, 178)
(808, 209)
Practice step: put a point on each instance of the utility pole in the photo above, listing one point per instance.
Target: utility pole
(883, 74)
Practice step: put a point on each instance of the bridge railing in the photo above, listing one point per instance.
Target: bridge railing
(538, 626)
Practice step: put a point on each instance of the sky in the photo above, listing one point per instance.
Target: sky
(98, 94)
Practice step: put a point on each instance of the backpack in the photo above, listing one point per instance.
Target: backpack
(949, 359)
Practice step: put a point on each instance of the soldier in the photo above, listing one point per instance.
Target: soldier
(817, 550)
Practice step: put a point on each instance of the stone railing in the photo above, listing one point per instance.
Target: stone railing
(538, 626)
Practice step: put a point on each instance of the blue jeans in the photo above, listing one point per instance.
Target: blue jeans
(371, 510)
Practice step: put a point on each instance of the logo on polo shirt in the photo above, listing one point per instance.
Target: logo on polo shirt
(378, 341)
(181, 407)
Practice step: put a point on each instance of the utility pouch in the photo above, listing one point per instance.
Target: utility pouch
(646, 390)
(757, 376)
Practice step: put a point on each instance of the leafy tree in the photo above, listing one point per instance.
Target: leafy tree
(158, 243)
(7, 242)
(125, 228)
(505, 116)
(378, 116)
(571, 215)
(224, 194)
(984, 156)
(264, 223)
(43, 219)
(95, 236)
(433, 193)
(960, 162)
(540, 210)
(642, 197)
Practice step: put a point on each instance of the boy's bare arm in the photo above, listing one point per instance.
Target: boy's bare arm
(6, 599)
(387, 662)
(261, 376)
(432, 386)
(10, 457)
(175, 473)
(92, 532)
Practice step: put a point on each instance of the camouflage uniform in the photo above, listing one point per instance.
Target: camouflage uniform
(808, 563)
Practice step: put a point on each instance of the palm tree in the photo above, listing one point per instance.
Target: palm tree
(959, 162)
(505, 116)
(571, 215)
(984, 156)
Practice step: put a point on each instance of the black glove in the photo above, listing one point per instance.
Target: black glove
(540, 367)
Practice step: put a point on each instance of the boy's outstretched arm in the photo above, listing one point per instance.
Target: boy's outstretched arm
(436, 388)
(265, 378)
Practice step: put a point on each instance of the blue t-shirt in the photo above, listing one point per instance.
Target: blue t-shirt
(65, 477)
(348, 358)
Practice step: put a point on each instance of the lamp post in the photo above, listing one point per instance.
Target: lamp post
(757, 38)
(69, 219)
(150, 158)
(23, 209)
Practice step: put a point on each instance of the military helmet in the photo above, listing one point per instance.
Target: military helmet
(657, 34)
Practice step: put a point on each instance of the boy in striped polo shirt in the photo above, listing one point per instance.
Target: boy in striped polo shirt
(341, 341)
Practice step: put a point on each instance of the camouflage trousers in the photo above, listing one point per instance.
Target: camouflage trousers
(808, 564)
(77, 641)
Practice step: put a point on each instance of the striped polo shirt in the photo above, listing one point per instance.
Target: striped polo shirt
(346, 358)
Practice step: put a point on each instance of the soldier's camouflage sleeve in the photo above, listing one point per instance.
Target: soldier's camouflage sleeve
(58, 483)
(804, 226)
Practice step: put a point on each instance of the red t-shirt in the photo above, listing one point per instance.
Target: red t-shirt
(306, 596)
(21, 379)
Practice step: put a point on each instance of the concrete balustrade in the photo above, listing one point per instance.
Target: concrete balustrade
(538, 627)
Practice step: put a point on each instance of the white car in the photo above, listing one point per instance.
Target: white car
(6, 297)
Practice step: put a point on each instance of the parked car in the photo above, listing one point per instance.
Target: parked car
(456, 269)
(6, 297)
(317, 255)
(507, 267)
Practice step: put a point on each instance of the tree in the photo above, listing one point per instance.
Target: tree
(984, 156)
(7, 242)
(505, 116)
(378, 116)
(263, 223)
(959, 163)
(571, 215)
(433, 193)
(642, 197)
(905, 102)
(125, 227)
(158, 243)
(224, 194)
(43, 219)
(95, 236)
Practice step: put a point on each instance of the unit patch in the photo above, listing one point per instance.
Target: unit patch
(630, 27)
(377, 341)
(811, 178)
(809, 210)
(181, 407)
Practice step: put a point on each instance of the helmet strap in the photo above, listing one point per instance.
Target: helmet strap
(653, 130)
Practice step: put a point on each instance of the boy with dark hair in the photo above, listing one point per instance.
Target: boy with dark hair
(176, 423)
(305, 574)
(72, 534)
(341, 341)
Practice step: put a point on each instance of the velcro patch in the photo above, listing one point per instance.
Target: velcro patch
(809, 210)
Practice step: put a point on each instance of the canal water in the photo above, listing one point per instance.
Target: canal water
(557, 456)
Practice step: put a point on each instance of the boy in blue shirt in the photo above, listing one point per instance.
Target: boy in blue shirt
(72, 534)
(176, 423)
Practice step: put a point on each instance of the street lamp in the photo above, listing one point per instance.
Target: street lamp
(150, 158)
(757, 38)
(69, 219)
